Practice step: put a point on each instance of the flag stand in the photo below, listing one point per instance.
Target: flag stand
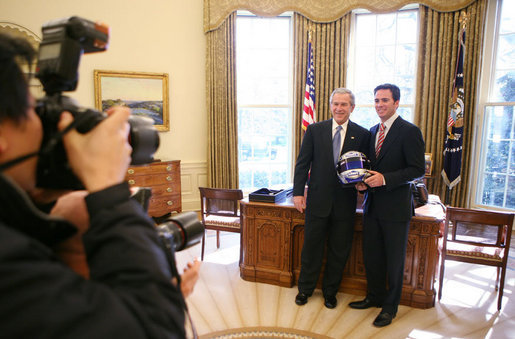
(447, 196)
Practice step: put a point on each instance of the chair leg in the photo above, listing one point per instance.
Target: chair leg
(203, 244)
(440, 285)
(497, 279)
(217, 239)
(501, 288)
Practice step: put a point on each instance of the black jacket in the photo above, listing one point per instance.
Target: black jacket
(129, 294)
(401, 160)
(316, 154)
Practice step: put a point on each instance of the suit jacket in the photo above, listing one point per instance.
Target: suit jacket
(400, 161)
(324, 187)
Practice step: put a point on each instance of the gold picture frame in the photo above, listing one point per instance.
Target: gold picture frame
(145, 93)
(429, 164)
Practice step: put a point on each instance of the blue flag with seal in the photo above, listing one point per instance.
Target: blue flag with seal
(453, 148)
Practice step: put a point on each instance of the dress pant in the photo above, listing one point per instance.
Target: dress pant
(384, 254)
(319, 231)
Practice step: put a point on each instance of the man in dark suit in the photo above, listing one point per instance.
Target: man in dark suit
(397, 157)
(330, 207)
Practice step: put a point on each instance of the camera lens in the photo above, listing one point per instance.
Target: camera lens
(181, 230)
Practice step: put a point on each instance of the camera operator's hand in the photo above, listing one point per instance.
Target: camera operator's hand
(99, 158)
(72, 207)
(189, 277)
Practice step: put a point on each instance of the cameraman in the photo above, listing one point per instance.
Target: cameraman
(131, 291)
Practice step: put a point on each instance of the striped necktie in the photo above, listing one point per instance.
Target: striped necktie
(380, 139)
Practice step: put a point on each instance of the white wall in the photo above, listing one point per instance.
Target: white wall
(162, 36)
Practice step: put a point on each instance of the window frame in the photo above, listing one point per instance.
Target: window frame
(352, 57)
(486, 87)
(290, 101)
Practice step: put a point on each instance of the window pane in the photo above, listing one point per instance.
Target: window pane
(510, 199)
(385, 52)
(405, 23)
(493, 193)
(498, 166)
(264, 103)
(504, 86)
(262, 59)
(366, 30)
(500, 121)
(506, 51)
(496, 170)
(507, 17)
(405, 64)
(405, 112)
(504, 83)
(386, 29)
(384, 66)
(366, 116)
(497, 156)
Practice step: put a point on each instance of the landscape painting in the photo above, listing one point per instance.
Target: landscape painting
(146, 94)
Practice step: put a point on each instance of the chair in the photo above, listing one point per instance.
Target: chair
(220, 212)
(478, 237)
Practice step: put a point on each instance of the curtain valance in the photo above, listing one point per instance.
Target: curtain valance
(216, 11)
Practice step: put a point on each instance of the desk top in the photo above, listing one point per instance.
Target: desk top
(433, 210)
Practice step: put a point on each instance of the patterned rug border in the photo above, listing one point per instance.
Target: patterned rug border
(263, 332)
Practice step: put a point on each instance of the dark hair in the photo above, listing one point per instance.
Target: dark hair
(396, 92)
(14, 98)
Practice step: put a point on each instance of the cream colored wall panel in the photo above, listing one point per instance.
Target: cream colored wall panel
(192, 177)
(145, 36)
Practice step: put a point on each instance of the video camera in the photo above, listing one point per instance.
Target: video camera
(64, 41)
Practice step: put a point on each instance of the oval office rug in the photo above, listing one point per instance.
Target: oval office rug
(263, 332)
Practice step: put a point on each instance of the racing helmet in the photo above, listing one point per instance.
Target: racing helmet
(352, 167)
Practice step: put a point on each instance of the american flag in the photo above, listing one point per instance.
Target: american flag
(453, 148)
(308, 114)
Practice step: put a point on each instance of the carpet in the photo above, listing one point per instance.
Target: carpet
(263, 332)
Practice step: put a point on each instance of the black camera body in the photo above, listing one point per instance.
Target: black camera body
(64, 42)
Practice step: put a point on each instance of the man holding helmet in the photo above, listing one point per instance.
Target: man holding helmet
(330, 207)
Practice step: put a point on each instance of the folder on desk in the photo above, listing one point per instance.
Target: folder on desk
(268, 195)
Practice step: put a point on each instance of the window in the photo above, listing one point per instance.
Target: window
(496, 175)
(384, 50)
(264, 96)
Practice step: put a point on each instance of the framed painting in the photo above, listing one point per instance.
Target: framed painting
(429, 164)
(146, 94)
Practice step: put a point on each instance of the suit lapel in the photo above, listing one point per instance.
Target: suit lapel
(349, 144)
(372, 148)
(391, 135)
(327, 138)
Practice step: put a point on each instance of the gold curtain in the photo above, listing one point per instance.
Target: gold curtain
(222, 115)
(330, 46)
(215, 11)
(436, 66)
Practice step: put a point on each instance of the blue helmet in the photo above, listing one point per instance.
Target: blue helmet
(352, 167)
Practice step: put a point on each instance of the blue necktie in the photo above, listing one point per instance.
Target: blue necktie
(336, 145)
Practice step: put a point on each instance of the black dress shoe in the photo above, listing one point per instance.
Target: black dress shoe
(383, 319)
(330, 301)
(363, 304)
(301, 298)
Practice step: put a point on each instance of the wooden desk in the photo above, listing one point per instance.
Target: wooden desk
(273, 235)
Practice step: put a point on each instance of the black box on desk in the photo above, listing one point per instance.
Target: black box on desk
(268, 195)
